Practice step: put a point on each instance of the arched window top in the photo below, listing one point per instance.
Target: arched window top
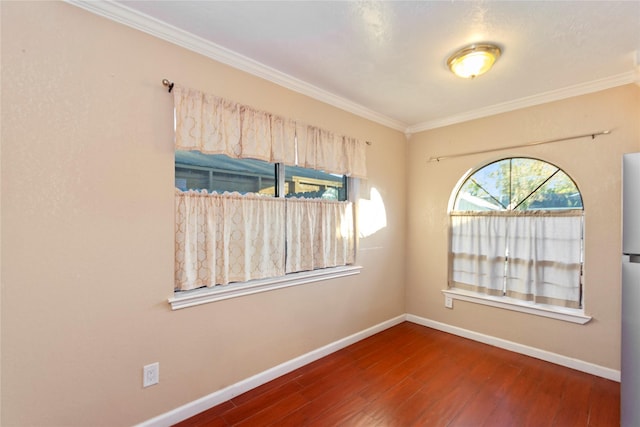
(518, 184)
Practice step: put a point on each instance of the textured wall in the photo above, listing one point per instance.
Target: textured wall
(596, 168)
(87, 223)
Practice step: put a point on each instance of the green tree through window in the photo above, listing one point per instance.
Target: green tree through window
(518, 184)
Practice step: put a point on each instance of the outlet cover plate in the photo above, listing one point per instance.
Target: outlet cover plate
(448, 301)
(150, 374)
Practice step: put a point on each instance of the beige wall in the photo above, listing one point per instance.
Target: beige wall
(87, 223)
(594, 165)
(87, 226)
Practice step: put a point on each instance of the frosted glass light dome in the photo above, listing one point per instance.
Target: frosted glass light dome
(473, 60)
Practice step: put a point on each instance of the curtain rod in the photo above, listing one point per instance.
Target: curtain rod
(529, 144)
(169, 85)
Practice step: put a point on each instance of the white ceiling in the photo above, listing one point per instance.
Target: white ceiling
(386, 60)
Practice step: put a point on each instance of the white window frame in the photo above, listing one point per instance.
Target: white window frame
(184, 299)
(572, 315)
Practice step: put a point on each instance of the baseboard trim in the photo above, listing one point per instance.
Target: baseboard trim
(548, 356)
(192, 408)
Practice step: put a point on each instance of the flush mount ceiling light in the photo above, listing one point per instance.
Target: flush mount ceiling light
(474, 60)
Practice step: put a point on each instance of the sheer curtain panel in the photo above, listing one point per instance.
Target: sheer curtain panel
(532, 256)
(477, 258)
(545, 258)
(320, 234)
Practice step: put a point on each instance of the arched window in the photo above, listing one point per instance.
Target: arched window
(517, 232)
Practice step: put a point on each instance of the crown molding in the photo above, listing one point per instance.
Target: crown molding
(124, 15)
(529, 101)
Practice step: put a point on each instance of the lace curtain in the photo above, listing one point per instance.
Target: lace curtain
(214, 125)
(319, 234)
(224, 238)
(534, 256)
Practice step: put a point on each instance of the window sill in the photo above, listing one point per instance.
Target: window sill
(206, 295)
(559, 313)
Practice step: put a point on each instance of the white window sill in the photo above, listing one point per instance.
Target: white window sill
(559, 313)
(206, 295)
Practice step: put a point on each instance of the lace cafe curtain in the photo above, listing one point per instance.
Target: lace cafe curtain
(319, 234)
(224, 238)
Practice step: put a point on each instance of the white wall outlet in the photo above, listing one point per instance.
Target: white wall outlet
(448, 301)
(150, 374)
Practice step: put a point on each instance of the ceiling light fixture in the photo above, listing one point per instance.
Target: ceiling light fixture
(474, 60)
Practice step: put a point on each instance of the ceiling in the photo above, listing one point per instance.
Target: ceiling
(386, 61)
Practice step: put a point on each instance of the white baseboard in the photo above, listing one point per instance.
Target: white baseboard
(192, 408)
(548, 356)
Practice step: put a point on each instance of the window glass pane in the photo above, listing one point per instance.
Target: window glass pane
(526, 176)
(313, 184)
(473, 197)
(493, 179)
(559, 192)
(217, 172)
(520, 184)
(189, 178)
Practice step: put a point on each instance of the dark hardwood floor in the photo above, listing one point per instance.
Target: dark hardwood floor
(410, 375)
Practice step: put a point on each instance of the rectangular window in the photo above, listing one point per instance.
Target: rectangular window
(267, 230)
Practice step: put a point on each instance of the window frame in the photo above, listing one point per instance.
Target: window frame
(194, 297)
(574, 315)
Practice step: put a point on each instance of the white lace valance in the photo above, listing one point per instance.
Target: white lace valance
(214, 125)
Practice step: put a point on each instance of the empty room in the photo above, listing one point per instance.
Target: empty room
(314, 213)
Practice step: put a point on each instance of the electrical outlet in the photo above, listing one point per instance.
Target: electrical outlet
(150, 374)
(448, 301)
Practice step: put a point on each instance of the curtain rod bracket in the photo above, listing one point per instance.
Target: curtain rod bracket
(168, 84)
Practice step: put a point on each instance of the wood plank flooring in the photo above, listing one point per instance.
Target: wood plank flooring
(410, 375)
